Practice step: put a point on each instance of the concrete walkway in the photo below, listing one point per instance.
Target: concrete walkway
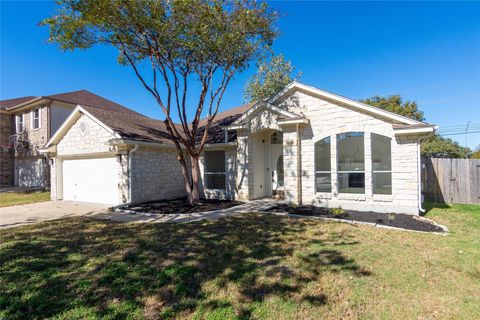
(130, 216)
(15, 216)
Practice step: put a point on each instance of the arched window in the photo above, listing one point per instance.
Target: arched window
(381, 164)
(351, 162)
(323, 173)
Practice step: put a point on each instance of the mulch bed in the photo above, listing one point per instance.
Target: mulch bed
(403, 221)
(181, 206)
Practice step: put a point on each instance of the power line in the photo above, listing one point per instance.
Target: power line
(457, 133)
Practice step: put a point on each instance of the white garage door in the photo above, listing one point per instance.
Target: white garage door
(91, 180)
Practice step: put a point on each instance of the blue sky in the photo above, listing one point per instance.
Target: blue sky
(426, 51)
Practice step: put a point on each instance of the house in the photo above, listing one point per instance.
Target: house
(304, 144)
(27, 123)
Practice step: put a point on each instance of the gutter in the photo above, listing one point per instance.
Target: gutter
(130, 153)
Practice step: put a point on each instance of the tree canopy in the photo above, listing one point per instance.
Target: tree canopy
(179, 43)
(396, 104)
(440, 147)
(272, 76)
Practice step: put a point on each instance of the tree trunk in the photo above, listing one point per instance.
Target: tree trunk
(194, 195)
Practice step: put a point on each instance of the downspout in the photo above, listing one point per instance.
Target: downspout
(419, 173)
(130, 153)
(299, 167)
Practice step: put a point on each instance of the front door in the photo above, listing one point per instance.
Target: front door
(276, 164)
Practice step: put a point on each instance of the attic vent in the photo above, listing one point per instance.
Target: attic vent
(83, 127)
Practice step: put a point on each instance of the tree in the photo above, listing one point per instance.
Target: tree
(476, 153)
(440, 147)
(395, 104)
(435, 146)
(271, 77)
(177, 43)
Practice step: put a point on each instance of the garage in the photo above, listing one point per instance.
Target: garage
(91, 180)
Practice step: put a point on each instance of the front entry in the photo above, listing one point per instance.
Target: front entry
(268, 174)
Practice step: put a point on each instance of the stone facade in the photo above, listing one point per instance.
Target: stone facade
(85, 137)
(327, 120)
(156, 175)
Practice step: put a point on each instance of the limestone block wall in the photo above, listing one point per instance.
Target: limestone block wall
(327, 120)
(85, 137)
(156, 175)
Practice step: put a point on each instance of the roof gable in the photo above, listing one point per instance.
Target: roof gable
(355, 105)
(264, 105)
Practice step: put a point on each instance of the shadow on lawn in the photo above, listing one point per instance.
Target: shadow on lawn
(80, 268)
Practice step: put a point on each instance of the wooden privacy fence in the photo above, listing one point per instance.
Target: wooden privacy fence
(451, 180)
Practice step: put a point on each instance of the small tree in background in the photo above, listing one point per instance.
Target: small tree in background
(440, 147)
(395, 104)
(435, 146)
(271, 77)
(476, 153)
(176, 43)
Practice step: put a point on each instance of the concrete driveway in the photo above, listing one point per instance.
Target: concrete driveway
(15, 216)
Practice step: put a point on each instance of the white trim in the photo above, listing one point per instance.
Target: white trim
(415, 130)
(74, 116)
(22, 115)
(293, 121)
(32, 118)
(23, 104)
(344, 100)
(257, 106)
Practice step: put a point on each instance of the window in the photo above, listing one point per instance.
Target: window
(381, 164)
(350, 162)
(35, 118)
(19, 123)
(323, 176)
(214, 169)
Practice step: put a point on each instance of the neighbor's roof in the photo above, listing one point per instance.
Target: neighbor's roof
(81, 97)
(13, 102)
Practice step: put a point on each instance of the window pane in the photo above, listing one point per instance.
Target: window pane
(322, 155)
(350, 151)
(215, 161)
(381, 153)
(351, 182)
(323, 182)
(215, 181)
(382, 183)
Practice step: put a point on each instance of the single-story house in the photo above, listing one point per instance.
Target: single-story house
(305, 144)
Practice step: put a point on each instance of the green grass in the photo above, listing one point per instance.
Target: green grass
(17, 198)
(252, 266)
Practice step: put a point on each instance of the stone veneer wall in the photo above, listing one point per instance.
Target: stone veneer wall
(328, 119)
(6, 154)
(156, 175)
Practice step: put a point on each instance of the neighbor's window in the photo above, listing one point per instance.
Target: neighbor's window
(19, 123)
(323, 174)
(214, 169)
(350, 162)
(35, 118)
(381, 164)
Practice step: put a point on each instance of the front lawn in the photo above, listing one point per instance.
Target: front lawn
(17, 198)
(254, 266)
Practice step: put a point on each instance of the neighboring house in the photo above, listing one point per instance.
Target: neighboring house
(27, 124)
(305, 144)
